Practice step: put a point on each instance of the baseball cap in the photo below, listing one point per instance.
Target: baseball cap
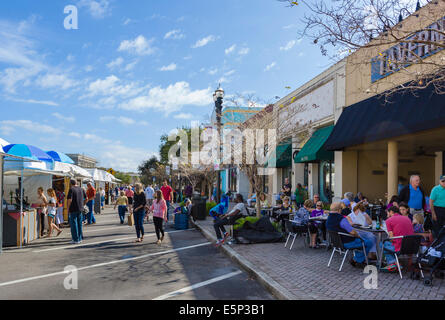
(442, 177)
(346, 202)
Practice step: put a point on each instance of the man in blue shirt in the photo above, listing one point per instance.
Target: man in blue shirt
(413, 195)
(338, 223)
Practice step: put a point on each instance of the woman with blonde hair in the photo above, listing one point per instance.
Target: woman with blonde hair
(43, 205)
(139, 203)
(52, 210)
(159, 209)
(122, 202)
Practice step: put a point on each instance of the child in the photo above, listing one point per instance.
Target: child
(418, 221)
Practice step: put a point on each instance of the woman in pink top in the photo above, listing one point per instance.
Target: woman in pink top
(159, 209)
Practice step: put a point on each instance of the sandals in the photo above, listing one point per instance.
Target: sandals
(58, 233)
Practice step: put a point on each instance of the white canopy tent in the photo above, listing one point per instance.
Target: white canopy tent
(3, 143)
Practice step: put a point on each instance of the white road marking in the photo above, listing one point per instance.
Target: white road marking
(198, 285)
(99, 242)
(104, 229)
(4, 284)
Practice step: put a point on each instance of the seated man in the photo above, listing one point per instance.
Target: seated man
(225, 219)
(338, 223)
(396, 225)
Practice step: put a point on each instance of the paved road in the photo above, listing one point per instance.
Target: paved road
(111, 266)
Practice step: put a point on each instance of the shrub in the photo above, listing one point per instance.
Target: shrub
(210, 205)
(240, 222)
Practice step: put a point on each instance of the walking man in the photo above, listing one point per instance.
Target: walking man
(91, 194)
(76, 201)
(437, 205)
(149, 193)
(167, 193)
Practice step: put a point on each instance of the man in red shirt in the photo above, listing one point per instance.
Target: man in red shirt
(396, 225)
(167, 193)
(91, 195)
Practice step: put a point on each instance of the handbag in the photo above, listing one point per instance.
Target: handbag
(85, 210)
(130, 220)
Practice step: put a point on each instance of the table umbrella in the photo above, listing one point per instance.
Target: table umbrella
(27, 151)
(60, 157)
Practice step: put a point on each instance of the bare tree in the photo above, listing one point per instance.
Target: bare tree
(402, 36)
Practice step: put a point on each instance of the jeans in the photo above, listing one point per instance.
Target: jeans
(371, 237)
(75, 219)
(121, 210)
(139, 222)
(389, 257)
(90, 215)
(219, 226)
(437, 225)
(102, 201)
(357, 244)
(168, 207)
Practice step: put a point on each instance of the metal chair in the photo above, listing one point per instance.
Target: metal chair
(338, 246)
(410, 246)
(294, 231)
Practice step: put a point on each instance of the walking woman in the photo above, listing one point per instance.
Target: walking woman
(43, 205)
(122, 202)
(159, 209)
(52, 210)
(139, 203)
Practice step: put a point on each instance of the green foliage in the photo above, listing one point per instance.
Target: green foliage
(126, 179)
(240, 222)
(209, 206)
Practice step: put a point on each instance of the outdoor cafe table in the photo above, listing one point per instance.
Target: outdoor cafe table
(381, 234)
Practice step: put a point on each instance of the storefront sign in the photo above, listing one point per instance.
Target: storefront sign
(404, 53)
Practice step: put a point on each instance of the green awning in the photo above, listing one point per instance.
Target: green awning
(313, 149)
(282, 156)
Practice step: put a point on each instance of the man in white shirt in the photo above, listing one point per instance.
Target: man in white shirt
(149, 193)
(228, 219)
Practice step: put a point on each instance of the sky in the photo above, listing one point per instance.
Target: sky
(134, 70)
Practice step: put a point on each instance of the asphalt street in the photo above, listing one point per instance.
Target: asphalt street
(109, 265)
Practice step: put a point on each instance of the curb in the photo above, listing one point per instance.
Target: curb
(274, 287)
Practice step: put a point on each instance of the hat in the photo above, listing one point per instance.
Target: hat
(442, 177)
(346, 202)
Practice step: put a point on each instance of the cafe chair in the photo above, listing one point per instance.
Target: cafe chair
(410, 246)
(337, 245)
(294, 231)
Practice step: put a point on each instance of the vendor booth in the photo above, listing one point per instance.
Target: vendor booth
(104, 180)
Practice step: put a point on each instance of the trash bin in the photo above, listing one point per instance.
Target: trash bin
(199, 207)
(181, 221)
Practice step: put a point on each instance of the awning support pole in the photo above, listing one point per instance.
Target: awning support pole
(393, 170)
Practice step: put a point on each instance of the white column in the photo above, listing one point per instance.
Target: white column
(438, 167)
(313, 179)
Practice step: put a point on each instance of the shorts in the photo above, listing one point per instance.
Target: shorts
(130, 201)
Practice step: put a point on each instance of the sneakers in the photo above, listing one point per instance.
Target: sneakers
(390, 268)
(226, 235)
(356, 264)
(219, 243)
(158, 242)
(162, 238)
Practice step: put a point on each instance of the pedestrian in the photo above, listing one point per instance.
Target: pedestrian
(413, 195)
(43, 207)
(228, 218)
(159, 209)
(129, 194)
(437, 205)
(102, 198)
(91, 195)
(286, 189)
(52, 210)
(149, 193)
(167, 193)
(122, 202)
(139, 211)
(60, 205)
(77, 199)
(299, 195)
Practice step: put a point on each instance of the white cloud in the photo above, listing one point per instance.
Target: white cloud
(204, 41)
(243, 51)
(288, 46)
(64, 118)
(213, 71)
(270, 66)
(75, 134)
(115, 63)
(139, 46)
(174, 34)
(169, 99)
(230, 50)
(187, 57)
(51, 80)
(88, 68)
(70, 58)
(98, 9)
(170, 67)
(184, 116)
(229, 73)
(9, 126)
(131, 65)
(44, 102)
(123, 120)
(111, 87)
(123, 158)
(95, 138)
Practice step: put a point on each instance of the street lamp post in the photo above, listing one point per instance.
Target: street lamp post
(218, 98)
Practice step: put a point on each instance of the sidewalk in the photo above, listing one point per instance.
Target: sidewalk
(303, 273)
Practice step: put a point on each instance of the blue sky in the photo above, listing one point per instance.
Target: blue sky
(136, 69)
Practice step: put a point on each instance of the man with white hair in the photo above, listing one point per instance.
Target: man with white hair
(413, 195)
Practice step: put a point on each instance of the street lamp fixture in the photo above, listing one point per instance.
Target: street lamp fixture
(218, 96)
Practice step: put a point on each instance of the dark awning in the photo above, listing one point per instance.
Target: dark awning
(375, 119)
(312, 150)
(282, 156)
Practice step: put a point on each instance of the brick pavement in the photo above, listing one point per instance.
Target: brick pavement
(303, 273)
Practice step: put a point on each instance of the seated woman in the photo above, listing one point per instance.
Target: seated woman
(393, 202)
(360, 217)
(285, 206)
(301, 218)
(314, 226)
